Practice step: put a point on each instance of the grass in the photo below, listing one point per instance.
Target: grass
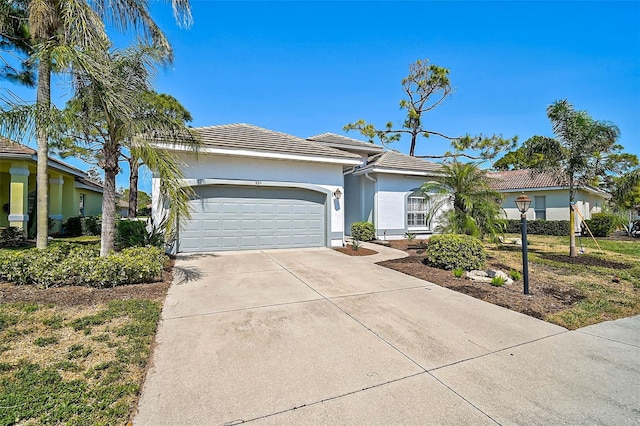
(605, 299)
(72, 365)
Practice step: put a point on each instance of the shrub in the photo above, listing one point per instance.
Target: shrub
(451, 251)
(135, 233)
(558, 228)
(82, 225)
(363, 231)
(410, 236)
(600, 224)
(515, 275)
(458, 272)
(73, 264)
(130, 233)
(11, 237)
(355, 245)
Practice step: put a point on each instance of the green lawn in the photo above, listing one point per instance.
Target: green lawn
(78, 366)
(605, 299)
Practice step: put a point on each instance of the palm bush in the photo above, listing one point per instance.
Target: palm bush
(477, 208)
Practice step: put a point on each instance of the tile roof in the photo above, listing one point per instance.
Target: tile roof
(7, 146)
(396, 160)
(248, 137)
(523, 179)
(339, 141)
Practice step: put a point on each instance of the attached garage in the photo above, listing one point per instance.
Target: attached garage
(229, 217)
(257, 189)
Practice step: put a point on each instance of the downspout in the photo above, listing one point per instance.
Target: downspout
(375, 201)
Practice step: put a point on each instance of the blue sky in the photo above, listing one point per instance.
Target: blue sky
(311, 67)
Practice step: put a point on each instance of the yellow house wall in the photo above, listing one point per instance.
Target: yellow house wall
(92, 203)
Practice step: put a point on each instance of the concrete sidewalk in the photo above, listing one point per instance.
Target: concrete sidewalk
(317, 337)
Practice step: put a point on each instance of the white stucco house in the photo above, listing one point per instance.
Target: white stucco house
(256, 189)
(550, 199)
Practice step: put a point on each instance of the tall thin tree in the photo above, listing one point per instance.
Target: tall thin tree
(580, 153)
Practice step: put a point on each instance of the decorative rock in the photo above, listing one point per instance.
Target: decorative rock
(487, 276)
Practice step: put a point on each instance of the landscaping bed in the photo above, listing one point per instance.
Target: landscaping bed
(76, 354)
(571, 292)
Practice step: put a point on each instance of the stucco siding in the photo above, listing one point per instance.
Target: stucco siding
(557, 204)
(206, 169)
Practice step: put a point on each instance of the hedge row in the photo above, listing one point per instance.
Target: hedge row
(539, 227)
(72, 264)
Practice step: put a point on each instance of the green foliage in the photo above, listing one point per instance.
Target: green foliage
(136, 233)
(515, 275)
(73, 264)
(426, 86)
(557, 228)
(451, 251)
(497, 281)
(11, 237)
(458, 272)
(363, 231)
(355, 245)
(83, 225)
(477, 208)
(410, 236)
(601, 224)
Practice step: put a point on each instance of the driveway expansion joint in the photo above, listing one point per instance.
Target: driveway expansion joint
(607, 338)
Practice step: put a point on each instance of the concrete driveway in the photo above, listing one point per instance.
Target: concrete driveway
(317, 337)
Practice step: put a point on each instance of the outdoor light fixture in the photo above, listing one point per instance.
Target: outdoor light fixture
(337, 193)
(523, 202)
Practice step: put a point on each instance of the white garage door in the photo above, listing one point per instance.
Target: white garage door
(243, 218)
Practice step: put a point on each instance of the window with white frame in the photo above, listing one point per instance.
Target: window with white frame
(417, 209)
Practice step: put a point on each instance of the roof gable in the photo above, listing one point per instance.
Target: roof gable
(253, 138)
(397, 161)
(343, 142)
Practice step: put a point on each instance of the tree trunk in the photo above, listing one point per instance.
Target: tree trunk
(133, 186)
(573, 252)
(108, 231)
(43, 104)
(412, 148)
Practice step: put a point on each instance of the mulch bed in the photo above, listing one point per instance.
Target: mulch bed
(360, 252)
(544, 297)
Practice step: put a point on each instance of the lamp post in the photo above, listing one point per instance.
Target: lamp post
(523, 202)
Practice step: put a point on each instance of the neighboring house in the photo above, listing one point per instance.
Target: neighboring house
(256, 188)
(549, 198)
(71, 193)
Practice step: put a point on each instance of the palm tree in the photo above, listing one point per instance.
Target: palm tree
(578, 155)
(62, 30)
(476, 207)
(105, 116)
(154, 105)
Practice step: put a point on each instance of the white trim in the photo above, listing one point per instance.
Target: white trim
(396, 172)
(261, 154)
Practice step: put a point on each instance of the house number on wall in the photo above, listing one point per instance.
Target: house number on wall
(258, 182)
